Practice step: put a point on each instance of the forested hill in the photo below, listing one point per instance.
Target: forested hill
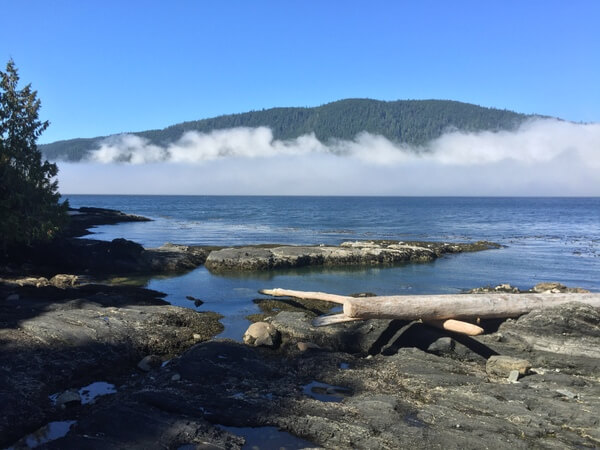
(409, 121)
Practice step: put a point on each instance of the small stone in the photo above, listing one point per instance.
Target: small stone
(176, 377)
(502, 366)
(196, 336)
(63, 281)
(304, 346)
(12, 297)
(567, 393)
(68, 398)
(513, 376)
(552, 287)
(149, 362)
(197, 301)
(498, 337)
(443, 345)
(506, 288)
(262, 334)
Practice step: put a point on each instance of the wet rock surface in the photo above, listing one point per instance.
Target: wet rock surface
(365, 384)
(402, 395)
(346, 254)
(56, 338)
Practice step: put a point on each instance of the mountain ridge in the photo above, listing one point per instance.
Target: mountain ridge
(413, 122)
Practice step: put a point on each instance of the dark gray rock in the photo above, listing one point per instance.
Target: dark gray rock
(356, 337)
(408, 398)
(443, 345)
(85, 217)
(571, 330)
(58, 338)
(127, 425)
(68, 398)
(149, 362)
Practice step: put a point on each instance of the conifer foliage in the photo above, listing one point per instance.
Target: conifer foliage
(30, 210)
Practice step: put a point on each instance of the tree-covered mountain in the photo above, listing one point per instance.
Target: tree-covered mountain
(410, 121)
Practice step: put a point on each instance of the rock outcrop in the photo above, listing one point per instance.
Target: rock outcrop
(360, 253)
(80, 220)
(55, 338)
(408, 397)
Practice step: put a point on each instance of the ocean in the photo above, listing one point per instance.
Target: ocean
(543, 239)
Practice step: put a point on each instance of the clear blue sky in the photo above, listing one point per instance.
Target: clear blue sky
(104, 67)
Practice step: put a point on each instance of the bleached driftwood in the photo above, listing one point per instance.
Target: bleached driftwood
(456, 326)
(459, 306)
(438, 309)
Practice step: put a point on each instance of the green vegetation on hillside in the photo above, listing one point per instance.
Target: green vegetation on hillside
(410, 121)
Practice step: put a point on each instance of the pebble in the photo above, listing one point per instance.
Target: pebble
(304, 346)
(567, 393)
(513, 376)
(12, 297)
(176, 377)
(68, 398)
(149, 362)
(442, 345)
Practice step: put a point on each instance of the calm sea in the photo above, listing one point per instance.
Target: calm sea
(545, 239)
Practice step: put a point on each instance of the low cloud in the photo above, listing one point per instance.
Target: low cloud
(534, 142)
(542, 157)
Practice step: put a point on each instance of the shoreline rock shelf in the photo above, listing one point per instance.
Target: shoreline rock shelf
(358, 253)
(405, 384)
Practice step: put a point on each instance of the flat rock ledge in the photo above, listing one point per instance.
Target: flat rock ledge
(55, 336)
(359, 253)
(85, 217)
(416, 387)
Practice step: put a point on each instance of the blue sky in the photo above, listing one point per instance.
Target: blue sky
(104, 67)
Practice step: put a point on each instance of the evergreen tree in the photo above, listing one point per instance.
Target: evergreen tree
(29, 200)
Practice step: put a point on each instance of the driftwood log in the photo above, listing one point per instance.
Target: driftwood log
(456, 326)
(439, 310)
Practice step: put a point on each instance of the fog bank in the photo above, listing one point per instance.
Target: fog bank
(541, 157)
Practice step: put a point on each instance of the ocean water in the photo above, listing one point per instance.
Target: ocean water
(544, 239)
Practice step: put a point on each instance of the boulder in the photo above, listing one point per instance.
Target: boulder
(262, 334)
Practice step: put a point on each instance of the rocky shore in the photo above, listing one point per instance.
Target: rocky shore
(360, 253)
(373, 384)
(528, 382)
